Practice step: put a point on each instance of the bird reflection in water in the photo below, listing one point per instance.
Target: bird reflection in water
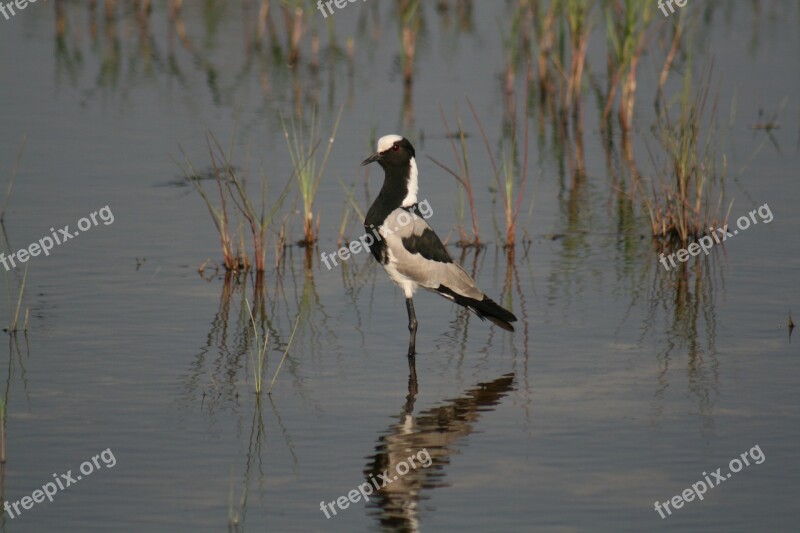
(436, 430)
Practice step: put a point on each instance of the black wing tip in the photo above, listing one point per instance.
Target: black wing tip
(500, 322)
(485, 309)
(498, 315)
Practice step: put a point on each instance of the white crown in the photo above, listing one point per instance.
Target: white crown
(386, 142)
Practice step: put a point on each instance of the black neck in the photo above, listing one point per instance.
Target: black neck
(393, 192)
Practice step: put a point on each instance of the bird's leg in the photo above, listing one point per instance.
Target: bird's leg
(412, 386)
(412, 327)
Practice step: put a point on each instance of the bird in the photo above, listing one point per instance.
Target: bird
(408, 248)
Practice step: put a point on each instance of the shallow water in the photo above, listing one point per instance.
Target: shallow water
(621, 385)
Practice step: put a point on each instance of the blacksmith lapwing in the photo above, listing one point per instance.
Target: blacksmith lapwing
(409, 250)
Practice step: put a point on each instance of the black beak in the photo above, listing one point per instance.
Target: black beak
(371, 159)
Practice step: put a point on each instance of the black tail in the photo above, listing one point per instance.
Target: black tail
(485, 308)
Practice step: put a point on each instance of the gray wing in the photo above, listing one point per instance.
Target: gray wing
(418, 254)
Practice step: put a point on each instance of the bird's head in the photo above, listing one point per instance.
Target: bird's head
(393, 151)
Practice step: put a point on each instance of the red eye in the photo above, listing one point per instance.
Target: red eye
(395, 147)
